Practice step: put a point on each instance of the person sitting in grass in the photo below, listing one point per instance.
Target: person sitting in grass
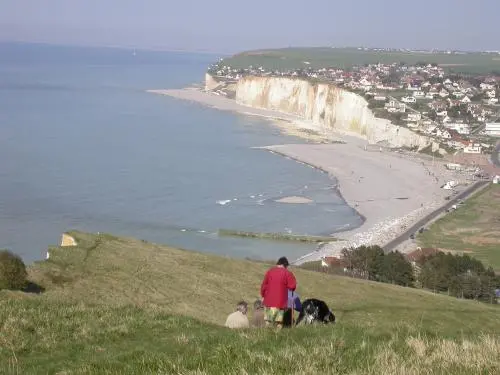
(239, 318)
(258, 318)
(274, 291)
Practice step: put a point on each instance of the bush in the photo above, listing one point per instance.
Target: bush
(12, 271)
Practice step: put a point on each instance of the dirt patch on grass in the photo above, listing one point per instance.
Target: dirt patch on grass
(481, 240)
(463, 230)
(467, 251)
(493, 233)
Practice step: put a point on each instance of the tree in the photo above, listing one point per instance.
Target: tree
(397, 270)
(460, 276)
(364, 261)
(12, 271)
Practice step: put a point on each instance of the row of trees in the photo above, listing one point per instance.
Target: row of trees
(457, 275)
(371, 263)
(460, 276)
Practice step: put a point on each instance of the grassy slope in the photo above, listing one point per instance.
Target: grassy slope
(473, 228)
(117, 305)
(293, 58)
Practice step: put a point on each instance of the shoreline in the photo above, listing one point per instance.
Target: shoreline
(388, 190)
(272, 150)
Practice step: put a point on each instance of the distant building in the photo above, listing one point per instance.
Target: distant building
(414, 116)
(492, 128)
(417, 256)
(473, 148)
(454, 167)
(409, 99)
(395, 107)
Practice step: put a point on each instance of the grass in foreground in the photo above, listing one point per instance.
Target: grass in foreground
(41, 337)
(116, 305)
(473, 228)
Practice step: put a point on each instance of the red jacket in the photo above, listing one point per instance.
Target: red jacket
(274, 288)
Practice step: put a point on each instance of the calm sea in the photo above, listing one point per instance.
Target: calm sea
(83, 146)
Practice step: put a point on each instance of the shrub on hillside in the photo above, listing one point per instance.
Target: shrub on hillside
(12, 271)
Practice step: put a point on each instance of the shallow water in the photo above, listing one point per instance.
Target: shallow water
(83, 146)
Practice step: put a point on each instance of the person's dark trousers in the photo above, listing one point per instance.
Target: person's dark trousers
(287, 318)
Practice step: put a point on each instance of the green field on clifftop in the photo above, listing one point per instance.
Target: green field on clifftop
(474, 228)
(124, 306)
(324, 57)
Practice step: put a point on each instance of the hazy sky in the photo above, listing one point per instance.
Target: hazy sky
(232, 25)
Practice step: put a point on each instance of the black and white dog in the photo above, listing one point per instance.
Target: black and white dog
(315, 311)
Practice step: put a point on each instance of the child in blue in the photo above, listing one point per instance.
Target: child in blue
(293, 304)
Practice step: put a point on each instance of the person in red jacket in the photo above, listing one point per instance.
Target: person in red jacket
(274, 291)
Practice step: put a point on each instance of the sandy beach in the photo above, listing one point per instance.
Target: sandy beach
(389, 189)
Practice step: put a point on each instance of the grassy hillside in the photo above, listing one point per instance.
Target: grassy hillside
(293, 58)
(474, 228)
(115, 305)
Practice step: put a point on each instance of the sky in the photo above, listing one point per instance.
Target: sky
(228, 26)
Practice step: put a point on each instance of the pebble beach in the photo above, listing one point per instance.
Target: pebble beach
(390, 190)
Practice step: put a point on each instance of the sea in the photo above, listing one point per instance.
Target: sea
(83, 146)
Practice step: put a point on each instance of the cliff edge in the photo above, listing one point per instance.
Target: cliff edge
(328, 107)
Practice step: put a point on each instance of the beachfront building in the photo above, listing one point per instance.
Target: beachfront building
(473, 148)
(493, 128)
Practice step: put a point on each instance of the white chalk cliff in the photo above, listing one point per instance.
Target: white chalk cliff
(326, 106)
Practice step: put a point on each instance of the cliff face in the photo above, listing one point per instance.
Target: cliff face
(210, 82)
(327, 106)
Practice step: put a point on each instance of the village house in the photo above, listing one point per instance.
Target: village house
(393, 106)
(380, 98)
(408, 99)
(414, 116)
(473, 148)
(419, 94)
(446, 120)
(417, 256)
(442, 133)
(486, 86)
(444, 93)
(493, 129)
(490, 93)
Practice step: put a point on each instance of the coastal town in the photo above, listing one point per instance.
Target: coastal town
(443, 149)
(461, 112)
